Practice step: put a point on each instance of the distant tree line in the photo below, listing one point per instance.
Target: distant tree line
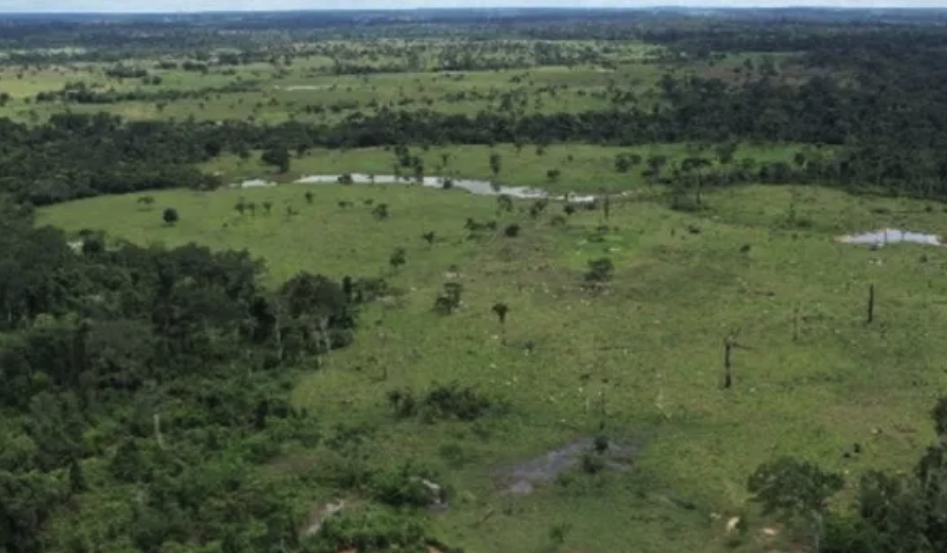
(885, 133)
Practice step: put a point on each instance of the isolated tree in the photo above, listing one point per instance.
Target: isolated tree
(512, 230)
(569, 209)
(656, 164)
(501, 310)
(600, 270)
(380, 212)
(797, 490)
(398, 259)
(429, 237)
(729, 344)
(504, 203)
(268, 206)
(695, 166)
(170, 216)
(146, 201)
(625, 162)
(448, 301)
(277, 157)
(419, 169)
(553, 174)
(309, 197)
(495, 164)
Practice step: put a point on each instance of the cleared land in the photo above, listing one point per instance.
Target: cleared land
(646, 351)
(581, 167)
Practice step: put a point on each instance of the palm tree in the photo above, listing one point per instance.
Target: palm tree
(495, 164)
(500, 310)
(697, 165)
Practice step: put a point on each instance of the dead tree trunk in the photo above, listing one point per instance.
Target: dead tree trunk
(697, 198)
(727, 365)
(278, 329)
(795, 324)
(156, 418)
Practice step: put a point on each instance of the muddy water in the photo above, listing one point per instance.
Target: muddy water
(522, 478)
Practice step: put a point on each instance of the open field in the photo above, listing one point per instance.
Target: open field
(643, 356)
(582, 168)
(571, 77)
(309, 88)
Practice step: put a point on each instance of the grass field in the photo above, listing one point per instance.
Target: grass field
(644, 355)
(293, 91)
(583, 168)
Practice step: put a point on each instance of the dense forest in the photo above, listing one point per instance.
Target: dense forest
(159, 375)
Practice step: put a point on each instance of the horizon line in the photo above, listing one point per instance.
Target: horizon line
(646, 7)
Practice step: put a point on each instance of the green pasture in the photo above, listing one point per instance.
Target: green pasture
(582, 167)
(641, 359)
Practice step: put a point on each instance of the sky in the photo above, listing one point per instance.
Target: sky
(216, 5)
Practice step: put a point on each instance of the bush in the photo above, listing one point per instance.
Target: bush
(371, 529)
(600, 270)
(407, 484)
(453, 401)
(593, 463)
(442, 402)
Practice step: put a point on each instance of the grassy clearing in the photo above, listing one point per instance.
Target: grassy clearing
(582, 167)
(650, 344)
(292, 92)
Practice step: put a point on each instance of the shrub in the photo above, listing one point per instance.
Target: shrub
(441, 402)
(170, 216)
(454, 401)
(371, 529)
(600, 270)
(592, 463)
(407, 484)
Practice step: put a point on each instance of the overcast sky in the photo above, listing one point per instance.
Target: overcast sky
(212, 5)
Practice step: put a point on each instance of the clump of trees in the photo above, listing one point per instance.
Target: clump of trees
(893, 512)
(442, 402)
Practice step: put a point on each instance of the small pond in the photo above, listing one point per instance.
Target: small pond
(882, 237)
(478, 187)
